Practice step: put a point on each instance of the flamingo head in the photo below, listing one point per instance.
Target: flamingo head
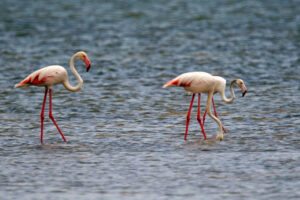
(242, 85)
(83, 56)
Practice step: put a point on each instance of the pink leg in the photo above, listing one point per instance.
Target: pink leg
(204, 114)
(198, 116)
(215, 114)
(215, 111)
(188, 117)
(51, 116)
(42, 114)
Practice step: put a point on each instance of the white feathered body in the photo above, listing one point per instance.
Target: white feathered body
(198, 82)
(47, 76)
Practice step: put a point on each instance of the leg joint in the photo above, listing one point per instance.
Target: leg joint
(51, 116)
(188, 118)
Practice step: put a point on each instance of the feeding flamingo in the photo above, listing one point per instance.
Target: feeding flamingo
(50, 76)
(202, 82)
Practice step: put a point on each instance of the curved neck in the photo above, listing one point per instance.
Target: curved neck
(224, 98)
(80, 81)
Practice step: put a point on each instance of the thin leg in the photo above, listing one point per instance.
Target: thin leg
(215, 112)
(204, 114)
(198, 116)
(42, 114)
(208, 108)
(51, 116)
(188, 117)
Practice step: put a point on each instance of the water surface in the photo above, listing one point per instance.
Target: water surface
(125, 133)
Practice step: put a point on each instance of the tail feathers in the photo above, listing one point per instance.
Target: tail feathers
(17, 85)
(173, 82)
(23, 83)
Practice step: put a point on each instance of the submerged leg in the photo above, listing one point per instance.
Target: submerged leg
(51, 116)
(215, 112)
(198, 116)
(42, 114)
(188, 117)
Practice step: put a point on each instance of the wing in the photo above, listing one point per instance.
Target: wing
(186, 79)
(46, 76)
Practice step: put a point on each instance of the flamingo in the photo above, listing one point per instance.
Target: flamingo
(202, 82)
(53, 75)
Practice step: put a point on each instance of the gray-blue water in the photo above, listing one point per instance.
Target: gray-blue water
(125, 133)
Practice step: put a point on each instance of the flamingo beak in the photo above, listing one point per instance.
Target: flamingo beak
(87, 63)
(244, 91)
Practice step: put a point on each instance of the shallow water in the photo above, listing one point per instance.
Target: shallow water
(125, 133)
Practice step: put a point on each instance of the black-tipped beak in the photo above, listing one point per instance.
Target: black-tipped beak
(244, 93)
(88, 68)
(87, 63)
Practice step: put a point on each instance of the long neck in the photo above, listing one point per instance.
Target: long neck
(80, 81)
(222, 93)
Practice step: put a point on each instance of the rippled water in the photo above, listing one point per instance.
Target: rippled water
(125, 133)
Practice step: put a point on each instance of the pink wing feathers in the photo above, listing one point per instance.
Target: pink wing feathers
(33, 79)
(180, 81)
(46, 76)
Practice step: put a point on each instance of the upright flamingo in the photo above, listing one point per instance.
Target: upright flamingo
(50, 76)
(202, 82)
